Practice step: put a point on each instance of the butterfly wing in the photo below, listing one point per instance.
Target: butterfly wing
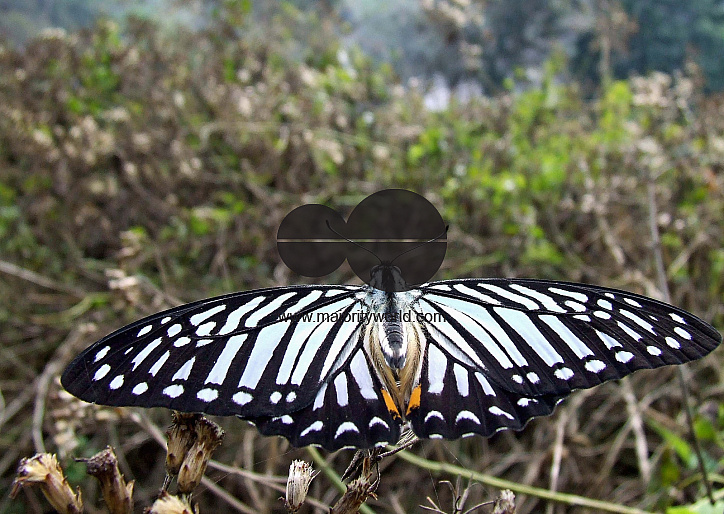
(537, 337)
(238, 354)
(348, 411)
(499, 352)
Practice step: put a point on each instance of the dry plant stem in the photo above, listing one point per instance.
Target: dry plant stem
(117, 493)
(357, 493)
(332, 475)
(545, 494)
(181, 436)
(664, 287)
(209, 436)
(44, 471)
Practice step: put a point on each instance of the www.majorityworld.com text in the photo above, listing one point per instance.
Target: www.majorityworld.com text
(363, 317)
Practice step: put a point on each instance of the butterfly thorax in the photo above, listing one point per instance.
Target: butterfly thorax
(394, 337)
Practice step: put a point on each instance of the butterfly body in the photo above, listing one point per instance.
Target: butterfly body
(347, 366)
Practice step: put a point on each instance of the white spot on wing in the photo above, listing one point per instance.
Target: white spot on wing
(140, 388)
(266, 342)
(487, 388)
(174, 329)
(564, 373)
(138, 359)
(165, 320)
(624, 356)
(116, 382)
(291, 397)
(571, 294)
(532, 377)
(314, 427)
(467, 415)
(629, 331)
(673, 343)
(578, 307)
(319, 400)
(653, 350)
(159, 363)
(548, 303)
(434, 414)
(221, 367)
(207, 394)
(102, 353)
(101, 372)
(181, 341)
(609, 341)
(307, 300)
(469, 291)
(205, 329)
(259, 314)
(499, 412)
(677, 318)
(683, 333)
(184, 371)
(638, 320)
(340, 387)
(275, 397)
(522, 300)
(347, 426)
(197, 319)
(633, 302)
(595, 366)
(242, 398)
(461, 379)
(436, 368)
(605, 304)
(174, 391)
(568, 337)
(379, 421)
(602, 314)
(234, 317)
(145, 330)
(361, 374)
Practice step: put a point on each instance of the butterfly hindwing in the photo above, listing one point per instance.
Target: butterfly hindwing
(230, 355)
(456, 400)
(348, 411)
(535, 337)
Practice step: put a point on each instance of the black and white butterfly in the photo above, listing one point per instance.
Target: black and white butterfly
(347, 366)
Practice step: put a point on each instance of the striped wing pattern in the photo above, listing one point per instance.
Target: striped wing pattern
(496, 352)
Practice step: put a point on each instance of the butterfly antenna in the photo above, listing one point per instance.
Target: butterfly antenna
(353, 242)
(422, 244)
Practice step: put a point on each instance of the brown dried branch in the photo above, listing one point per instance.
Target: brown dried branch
(117, 493)
(44, 471)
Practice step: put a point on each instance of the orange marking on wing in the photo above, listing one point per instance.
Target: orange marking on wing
(390, 404)
(414, 400)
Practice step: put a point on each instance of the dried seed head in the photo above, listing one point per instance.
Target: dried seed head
(301, 475)
(118, 495)
(505, 504)
(181, 436)
(209, 436)
(43, 469)
(168, 504)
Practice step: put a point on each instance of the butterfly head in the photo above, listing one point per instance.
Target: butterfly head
(388, 278)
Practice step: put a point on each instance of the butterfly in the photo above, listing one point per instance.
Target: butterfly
(348, 366)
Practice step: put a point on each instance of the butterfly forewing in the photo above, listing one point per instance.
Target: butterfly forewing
(240, 354)
(535, 337)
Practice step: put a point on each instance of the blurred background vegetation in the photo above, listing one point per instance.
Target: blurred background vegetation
(149, 151)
